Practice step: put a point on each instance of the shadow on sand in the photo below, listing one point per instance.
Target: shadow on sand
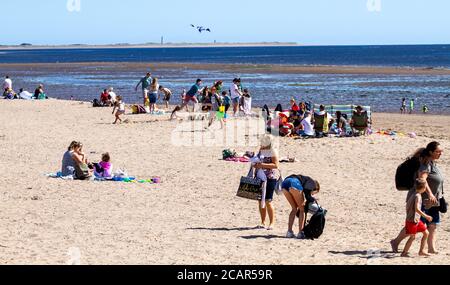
(225, 229)
(366, 254)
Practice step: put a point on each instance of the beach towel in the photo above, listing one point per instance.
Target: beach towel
(242, 159)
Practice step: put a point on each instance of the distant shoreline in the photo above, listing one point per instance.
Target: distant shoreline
(168, 45)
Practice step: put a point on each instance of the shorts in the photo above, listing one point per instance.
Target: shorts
(434, 213)
(292, 183)
(413, 228)
(236, 100)
(167, 98)
(120, 112)
(270, 189)
(187, 99)
(152, 98)
(145, 92)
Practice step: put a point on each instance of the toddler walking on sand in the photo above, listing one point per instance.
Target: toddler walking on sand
(120, 106)
(413, 223)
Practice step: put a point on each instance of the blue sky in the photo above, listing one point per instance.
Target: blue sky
(314, 22)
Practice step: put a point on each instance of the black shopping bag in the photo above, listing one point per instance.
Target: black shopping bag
(250, 187)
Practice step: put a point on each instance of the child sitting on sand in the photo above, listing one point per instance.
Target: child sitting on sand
(120, 105)
(413, 223)
(104, 168)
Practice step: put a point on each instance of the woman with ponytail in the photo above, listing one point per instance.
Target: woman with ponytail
(433, 197)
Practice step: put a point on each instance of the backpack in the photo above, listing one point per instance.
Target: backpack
(406, 173)
(82, 171)
(314, 229)
(96, 103)
(228, 153)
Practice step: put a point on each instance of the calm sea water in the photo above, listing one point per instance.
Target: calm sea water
(406, 55)
(383, 92)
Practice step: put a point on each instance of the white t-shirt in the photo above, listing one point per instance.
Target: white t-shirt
(234, 91)
(7, 84)
(113, 95)
(307, 126)
(122, 107)
(26, 95)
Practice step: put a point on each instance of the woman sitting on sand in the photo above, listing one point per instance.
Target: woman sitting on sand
(68, 163)
(39, 93)
(75, 163)
(270, 162)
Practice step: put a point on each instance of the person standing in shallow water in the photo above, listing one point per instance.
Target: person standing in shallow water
(403, 107)
(411, 106)
(432, 198)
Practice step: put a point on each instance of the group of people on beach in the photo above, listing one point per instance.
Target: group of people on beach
(412, 102)
(9, 93)
(216, 100)
(425, 202)
(302, 121)
(75, 164)
(151, 92)
(298, 189)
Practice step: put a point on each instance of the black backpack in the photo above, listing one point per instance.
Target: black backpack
(96, 103)
(314, 229)
(406, 174)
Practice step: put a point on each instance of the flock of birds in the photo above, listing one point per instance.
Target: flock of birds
(201, 28)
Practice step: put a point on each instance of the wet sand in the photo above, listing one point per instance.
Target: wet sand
(233, 68)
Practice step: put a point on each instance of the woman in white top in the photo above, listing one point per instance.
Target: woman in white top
(307, 127)
(270, 163)
(153, 96)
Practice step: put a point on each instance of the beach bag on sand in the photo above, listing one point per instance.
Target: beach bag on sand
(82, 171)
(406, 173)
(138, 109)
(228, 153)
(96, 103)
(250, 187)
(314, 228)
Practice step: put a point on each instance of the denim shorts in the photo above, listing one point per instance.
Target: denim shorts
(152, 97)
(434, 213)
(292, 183)
(270, 189)
(236, 100)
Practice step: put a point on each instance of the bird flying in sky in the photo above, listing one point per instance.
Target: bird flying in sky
(201, 28)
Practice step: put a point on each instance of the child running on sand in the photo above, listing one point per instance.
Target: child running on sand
(413, 223)
(120, 105)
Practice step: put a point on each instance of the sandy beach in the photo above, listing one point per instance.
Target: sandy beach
(194, 216)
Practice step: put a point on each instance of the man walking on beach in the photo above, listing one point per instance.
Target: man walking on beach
(145, 82)
(7, 84)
